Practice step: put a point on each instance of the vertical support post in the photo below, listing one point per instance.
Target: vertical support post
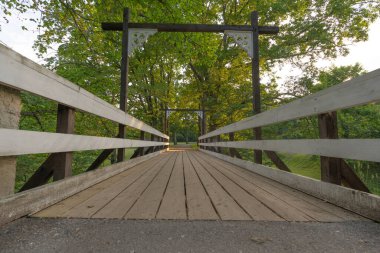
(10, 108)
(328, 129)
(204, 126)
(123, 80)
(256, 103)
(217, 139)
(65, 124)
(142, 137)
(165, 127)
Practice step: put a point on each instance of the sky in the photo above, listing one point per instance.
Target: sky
(366, 53)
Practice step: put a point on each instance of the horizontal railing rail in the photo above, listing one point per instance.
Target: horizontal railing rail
(357, 149)
(20, 73)
(332, 150)
(31, 142)
(358, 91)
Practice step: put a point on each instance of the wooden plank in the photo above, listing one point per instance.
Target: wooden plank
(34, 200)
(20, 142)
(365, 204)
(148, 204)
(313, 202)
(21, 73)
(111, 26)
(248, 202)
(121, 204)
(358, 91)
(275, 203)
(290, 207)
(198, 202)
(90, 206)
(357, 149)
(60, 208)
(224, 204)
(173, 205)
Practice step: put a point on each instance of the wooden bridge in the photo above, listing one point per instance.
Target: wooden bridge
(212, 183)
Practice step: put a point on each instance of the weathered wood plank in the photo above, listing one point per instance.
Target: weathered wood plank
(274, 202)
(60, 208)
(357, 149)
(20, 142)
(358, 91)
(21, 73)
(292, 208)
(147, 205)
(119, 206)
(365, 204)
(34, 200)
(249, 203)
(90, 206)
(198, 202)
(173, 205)
(224, 204)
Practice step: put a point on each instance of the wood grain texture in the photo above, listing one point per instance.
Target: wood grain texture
(358, 91)
(357, 149)
(20, 142)
(34, 200)
(123, 202)
(21, 73)
(186, 184)
(198, 202)
(173, 205)
(147, 205)
(365, 204)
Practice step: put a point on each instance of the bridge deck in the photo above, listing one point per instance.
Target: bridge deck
(192, 185)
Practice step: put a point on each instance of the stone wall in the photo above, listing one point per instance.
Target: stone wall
(10, 109)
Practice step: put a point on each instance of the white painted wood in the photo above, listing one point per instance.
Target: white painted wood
(361, 90)
(358, 149)
(21, 73)
(20, 142)
(365, 204)
(36, 199)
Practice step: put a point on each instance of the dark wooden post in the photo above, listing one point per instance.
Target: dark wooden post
(165, 128)
(328, 129)
(256, 103)
(142, 137)
(204, 130)
(217, 139)
(63, 161)
(123, 80)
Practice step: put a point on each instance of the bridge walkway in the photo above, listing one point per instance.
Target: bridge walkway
(191, 185)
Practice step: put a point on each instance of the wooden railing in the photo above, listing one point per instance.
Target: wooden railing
(20, 73)
(335, 172)
(359, 91)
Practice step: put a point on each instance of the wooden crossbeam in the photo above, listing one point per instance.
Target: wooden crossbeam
(112, 26)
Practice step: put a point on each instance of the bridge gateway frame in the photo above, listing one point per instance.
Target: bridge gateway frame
(246, 36)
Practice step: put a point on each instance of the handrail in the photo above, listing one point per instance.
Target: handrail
(20, 142)
(358, 149)
(18, 72)
(358, 91)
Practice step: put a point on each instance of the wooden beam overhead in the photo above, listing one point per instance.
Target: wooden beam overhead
(112, 26)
